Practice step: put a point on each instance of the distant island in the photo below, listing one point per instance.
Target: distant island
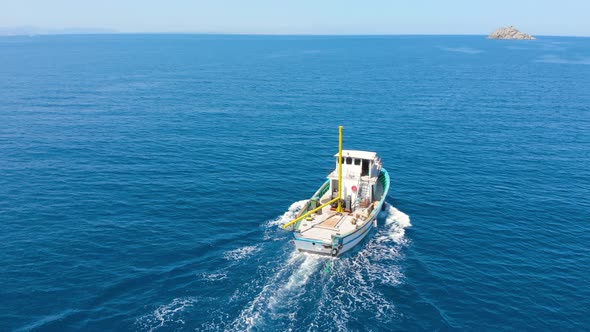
(510, 32)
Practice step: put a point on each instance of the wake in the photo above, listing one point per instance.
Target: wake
(280, 298)
(396, 223)
(303, 291)
(166, 315)
(301, 284)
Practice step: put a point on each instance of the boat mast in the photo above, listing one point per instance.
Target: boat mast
(339, 208)
(337, 199)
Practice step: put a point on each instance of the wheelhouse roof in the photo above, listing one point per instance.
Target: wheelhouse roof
(358, 154)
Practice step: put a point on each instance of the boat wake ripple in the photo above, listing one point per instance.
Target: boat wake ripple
(167, 315)
(270, 232)
(338, 290)
(302, 291)
(240, 253)
(358, 283)
(288, 215)
(282, 296)
(395, 224)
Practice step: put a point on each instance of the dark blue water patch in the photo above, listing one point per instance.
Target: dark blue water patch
(143, 179)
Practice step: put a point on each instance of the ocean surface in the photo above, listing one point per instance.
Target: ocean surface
(143, 179)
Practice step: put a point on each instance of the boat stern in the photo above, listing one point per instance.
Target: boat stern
(314, 246)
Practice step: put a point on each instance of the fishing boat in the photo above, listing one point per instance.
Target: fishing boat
(344, 209)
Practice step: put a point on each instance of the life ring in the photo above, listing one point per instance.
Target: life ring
(334, 252)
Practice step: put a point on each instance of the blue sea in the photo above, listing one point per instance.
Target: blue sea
(143, 179)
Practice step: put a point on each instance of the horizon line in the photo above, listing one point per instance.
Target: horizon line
(65, 33)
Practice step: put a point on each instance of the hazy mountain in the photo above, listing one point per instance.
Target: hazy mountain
(32, 30)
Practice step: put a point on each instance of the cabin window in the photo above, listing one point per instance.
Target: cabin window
(357, 162)
(365, 168)
(349, 161)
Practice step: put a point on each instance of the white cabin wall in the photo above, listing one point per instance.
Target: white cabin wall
(349, 170)
(350, 177)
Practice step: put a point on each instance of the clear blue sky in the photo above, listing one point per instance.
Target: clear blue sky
(542, 17)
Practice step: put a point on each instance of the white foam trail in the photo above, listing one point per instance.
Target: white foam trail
(234, 256)
(350, 291)
(352, 288)
(240, 253)
(166, 313)
(281, 293)
(296, 281)
(215, 276)
(271, 225)
(397, 222)
(289, 214)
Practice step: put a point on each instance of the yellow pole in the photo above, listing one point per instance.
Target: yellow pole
(339, 198)
(308, 213)
(339, 208)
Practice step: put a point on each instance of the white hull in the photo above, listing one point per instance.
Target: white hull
(349, 242)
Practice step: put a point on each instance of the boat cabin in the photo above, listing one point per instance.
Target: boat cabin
(360, 172)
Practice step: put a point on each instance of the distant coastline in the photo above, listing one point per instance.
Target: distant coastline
(35, 31)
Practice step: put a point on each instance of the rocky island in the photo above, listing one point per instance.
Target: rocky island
(509, 32)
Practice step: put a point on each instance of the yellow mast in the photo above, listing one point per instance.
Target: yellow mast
(339, 208)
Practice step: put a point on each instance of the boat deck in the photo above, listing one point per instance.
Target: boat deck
(329, 222)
